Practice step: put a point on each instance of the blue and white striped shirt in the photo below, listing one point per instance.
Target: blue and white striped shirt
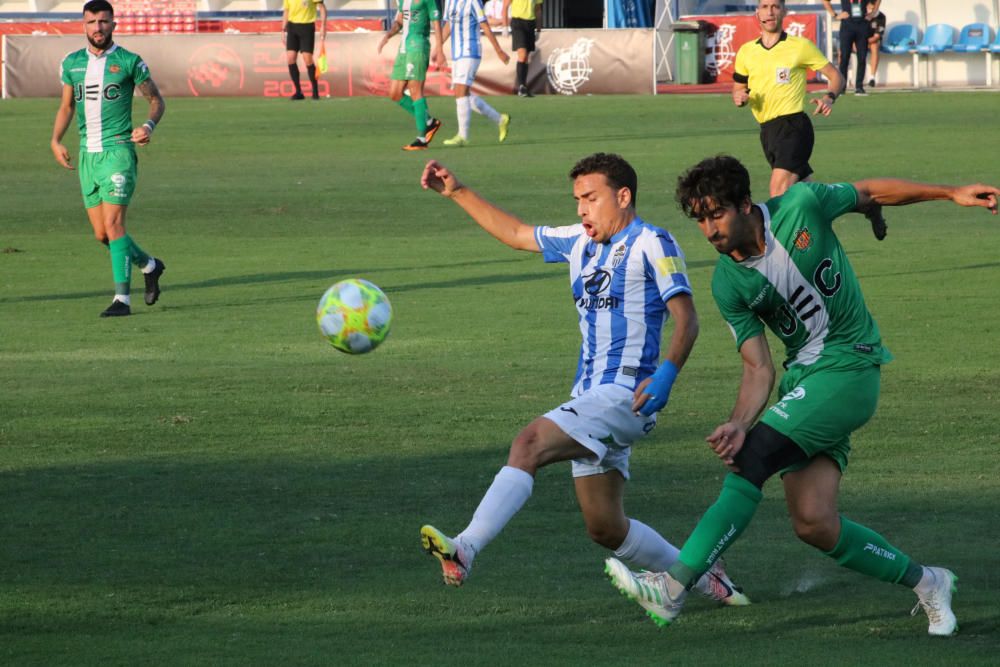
(620, 289)
(465, 17)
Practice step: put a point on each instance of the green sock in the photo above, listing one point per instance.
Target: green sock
(136, 254)
(420, 115)
(719, 527)
(121, 268)
(863, 550)
(407, 103)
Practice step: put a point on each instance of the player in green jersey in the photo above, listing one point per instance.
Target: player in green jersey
(98, 84)
(782, 266)
(415, 19)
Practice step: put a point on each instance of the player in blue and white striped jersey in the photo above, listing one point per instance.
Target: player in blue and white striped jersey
(627, 277)
(465, 20)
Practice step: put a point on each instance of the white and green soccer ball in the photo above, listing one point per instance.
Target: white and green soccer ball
(354, 315)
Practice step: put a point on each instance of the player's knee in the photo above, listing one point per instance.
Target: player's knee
(526, 451)
(102, 238)
(608, 534)
(819, 529)
(765, 452)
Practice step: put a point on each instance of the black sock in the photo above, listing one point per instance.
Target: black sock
(311, 71)
(522, 74)
(293, 71)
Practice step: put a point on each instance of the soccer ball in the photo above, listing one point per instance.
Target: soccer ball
(354, 315)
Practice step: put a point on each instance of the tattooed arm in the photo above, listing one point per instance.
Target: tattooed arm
(157, 106)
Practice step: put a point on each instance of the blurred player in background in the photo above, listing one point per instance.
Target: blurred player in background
(464, 20)
(298, 21)
(627, 278)
(415, 19)
(495, 15)
(876, 29)
(855, 18)
(98, 84)
(781, 266)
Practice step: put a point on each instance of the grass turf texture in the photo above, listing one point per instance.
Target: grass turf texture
(208, 482)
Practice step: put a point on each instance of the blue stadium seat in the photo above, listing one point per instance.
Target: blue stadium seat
(995, 45)
(938, 38)
(974, 38)
(901, 38)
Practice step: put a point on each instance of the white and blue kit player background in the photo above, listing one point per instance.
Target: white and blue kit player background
(465, 21)
(627, 278)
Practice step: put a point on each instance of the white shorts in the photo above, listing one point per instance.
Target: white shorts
(463, 71)
(601, 419)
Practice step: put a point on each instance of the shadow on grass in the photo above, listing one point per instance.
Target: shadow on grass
(338, 274)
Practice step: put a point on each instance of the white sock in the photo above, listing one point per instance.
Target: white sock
(510, 489)
(124, 298)
(150, 266)
(481, 107)
(462, 109)
(646, 549)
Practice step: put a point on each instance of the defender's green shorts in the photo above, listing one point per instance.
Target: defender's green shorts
(411, 66)
(108, 176)
(822, 404)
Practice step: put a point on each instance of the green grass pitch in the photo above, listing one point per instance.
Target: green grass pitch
(208, 482)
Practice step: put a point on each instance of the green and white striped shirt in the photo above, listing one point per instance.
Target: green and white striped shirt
(103, 87)
(803, 287)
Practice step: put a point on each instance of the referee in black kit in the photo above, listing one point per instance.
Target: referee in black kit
(855, 28)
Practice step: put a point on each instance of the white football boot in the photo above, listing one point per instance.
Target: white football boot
(716, 585)
(934, 594)
(657, 592)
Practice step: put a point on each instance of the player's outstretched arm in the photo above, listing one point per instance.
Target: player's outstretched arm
(157, 107)
(755, 388)
(503, 226)
(63, 117)
(898, 192)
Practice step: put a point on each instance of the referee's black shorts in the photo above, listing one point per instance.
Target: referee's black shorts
(522, 34)
(300, 37)
(788, 143)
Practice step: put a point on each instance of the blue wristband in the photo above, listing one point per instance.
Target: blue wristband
(659, 389)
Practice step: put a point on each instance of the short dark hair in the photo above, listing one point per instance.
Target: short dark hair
(615, 169)
(721, 178)
(97, 6)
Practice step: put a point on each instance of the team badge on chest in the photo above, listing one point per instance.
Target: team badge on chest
(803, 240)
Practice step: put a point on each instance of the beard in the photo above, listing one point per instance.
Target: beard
(99, 40)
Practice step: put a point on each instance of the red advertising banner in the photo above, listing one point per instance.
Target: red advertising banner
(569, 62)
(732, 32)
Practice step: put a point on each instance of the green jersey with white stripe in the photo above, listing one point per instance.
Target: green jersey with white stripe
(103, 87)
(803, 287)
(417, 17)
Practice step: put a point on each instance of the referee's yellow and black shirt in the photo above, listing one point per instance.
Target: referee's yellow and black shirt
(302, 11)
(776, 76)
(524, 9)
